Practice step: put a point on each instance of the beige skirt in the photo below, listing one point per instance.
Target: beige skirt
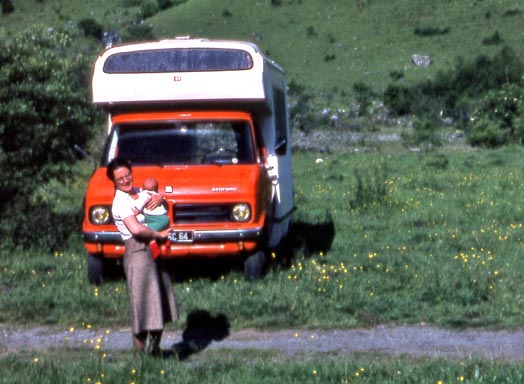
(151, 298)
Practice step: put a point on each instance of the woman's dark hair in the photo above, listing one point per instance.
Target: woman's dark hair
(117, 162)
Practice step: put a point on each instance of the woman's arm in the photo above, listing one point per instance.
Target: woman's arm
(141, 231)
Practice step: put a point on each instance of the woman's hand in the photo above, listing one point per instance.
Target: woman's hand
(164, 233)
(154, 201)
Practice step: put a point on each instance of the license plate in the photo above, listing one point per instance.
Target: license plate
(180, 236)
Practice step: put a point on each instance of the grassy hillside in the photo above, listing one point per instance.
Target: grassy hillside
(324, 45)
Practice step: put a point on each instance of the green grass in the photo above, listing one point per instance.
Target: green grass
(441, 243)
(323, 45)
(75, 366)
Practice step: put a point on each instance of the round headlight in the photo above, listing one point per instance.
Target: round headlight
(241, 212)
(100, 215)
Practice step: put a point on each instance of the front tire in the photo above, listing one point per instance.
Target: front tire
(95, 269)
(254, 266)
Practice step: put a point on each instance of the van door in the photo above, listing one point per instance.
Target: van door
(279, 165)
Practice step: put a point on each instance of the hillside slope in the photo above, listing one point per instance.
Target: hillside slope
(324, 45)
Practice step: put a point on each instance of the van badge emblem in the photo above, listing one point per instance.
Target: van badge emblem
(224, 189)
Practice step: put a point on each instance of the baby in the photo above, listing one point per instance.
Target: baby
(155, 219)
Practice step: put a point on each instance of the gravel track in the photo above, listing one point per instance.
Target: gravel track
(416, 340)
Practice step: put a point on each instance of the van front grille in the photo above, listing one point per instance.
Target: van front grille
(201, 213)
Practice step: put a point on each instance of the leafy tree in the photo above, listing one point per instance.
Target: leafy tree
(45, 109)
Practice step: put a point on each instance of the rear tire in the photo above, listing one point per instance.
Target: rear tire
(254, 266)
(95, 269)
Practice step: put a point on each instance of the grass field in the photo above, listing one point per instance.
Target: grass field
(66, 366)
(379, 238)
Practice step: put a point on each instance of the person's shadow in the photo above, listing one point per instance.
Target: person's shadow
(201, 329)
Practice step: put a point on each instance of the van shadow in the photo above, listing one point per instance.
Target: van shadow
(201, 330)
(304, 238)
(307, 239)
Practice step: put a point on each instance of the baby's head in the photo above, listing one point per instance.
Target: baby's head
(150, 184)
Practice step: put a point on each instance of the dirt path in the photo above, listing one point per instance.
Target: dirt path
(419, 340)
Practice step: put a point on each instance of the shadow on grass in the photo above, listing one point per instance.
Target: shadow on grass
(307, 239)
(201, 330)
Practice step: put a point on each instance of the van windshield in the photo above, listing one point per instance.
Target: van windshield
(183, 143)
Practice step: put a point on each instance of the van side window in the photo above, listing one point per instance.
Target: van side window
(279, 102)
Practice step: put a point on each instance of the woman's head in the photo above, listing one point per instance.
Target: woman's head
(120, 173)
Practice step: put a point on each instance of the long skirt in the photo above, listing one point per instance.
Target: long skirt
(151, 297)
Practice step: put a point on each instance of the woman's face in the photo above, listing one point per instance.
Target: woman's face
(123, 179)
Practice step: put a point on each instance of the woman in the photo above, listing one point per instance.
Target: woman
(151, 297)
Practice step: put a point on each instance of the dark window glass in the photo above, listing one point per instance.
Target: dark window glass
(279, 100)
(170, 143)
(178, 60)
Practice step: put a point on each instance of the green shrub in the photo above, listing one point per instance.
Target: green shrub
(148, 9)
(45, 108)
(91, 27)
(364, 95)
(494, 39)
(370, 187)
(301, 112)
(498, 118)
(139, 32)
(164, 4)
(7, 7)
(454, 93)
(400, 99)
(424, 134)
(431, 31)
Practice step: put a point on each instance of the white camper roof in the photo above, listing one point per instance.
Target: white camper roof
(181, 70)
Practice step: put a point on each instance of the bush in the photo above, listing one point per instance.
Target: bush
(164, 4)
(455, 93)
(370, 188)
(139, 32)
(91, 27)
(364, 95)
(399, 99)
(148, 9)
(498, 118)
(431, 31)
(7, 7)
(494, 39)
(301, 111)
(45, 108)
(425, 134)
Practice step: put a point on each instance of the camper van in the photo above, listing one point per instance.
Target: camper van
(208, 120)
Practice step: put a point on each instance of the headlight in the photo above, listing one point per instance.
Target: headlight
(241, 212)
(99, 215)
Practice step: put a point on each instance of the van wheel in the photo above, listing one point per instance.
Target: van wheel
(95, 269)
(254, 266)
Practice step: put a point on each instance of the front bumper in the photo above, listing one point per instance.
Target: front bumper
(205, 243)
(226, 235)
